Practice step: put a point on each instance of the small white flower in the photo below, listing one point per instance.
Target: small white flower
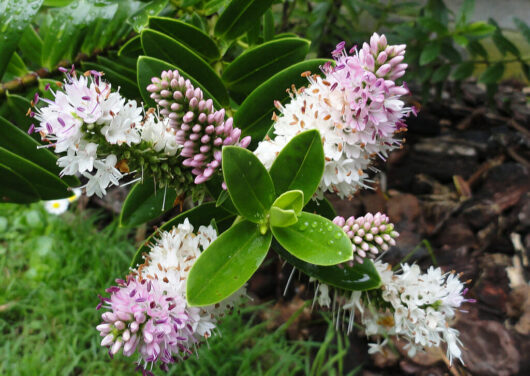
(123, 127)
(78, 160)
(377, 347)
(106, 175)
(56, 207)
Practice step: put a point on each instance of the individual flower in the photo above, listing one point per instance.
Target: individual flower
(105, 175)
(369, 234)
(357, 109)
(149, 314)
(56, 207)
(200, 129)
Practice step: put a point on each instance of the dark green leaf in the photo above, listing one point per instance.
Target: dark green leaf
(441, 74)
(477, 49)
(189, 35)
(214, 187)
(359, 277)
(16, 68)
(300, 165)
(249, 183)
(198, 216)
(503, 44)
(478, 29)
(227, 264)
(268, 26)
(464, 70)
(254, 114)
(145, 202)
(240, 16)
(432, 25)
(17, 108)
(213, 6)
(31, 45)
(254, 34)
(14, 18)
(47, 184)
(258, 64)
(322, 207)
(18, 142)
(140, 19)
(149, 67)
(430, 53)
(315, 239)
(132, 48)
(15, 188)
(523, 28)
(158, 45)
(493, 74)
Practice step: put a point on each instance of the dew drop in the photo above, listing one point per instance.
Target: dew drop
(303, 226)
(329, 227)
(331, 242)
(314, 224)
(338, 235)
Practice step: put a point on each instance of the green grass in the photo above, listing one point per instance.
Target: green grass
(51, 270)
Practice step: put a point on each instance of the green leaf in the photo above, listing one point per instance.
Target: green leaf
(493, 74)
(477, 49)
(31, 45)
(432, 25)
(254, 114)
(523, 28)
(430, 53)
(256, 65)
(149, 67)
(322, 207)
(465, 12)
(249, 183)
(478, 29)
(359, 277)
(268, 26)
(145, 202)
(17, 108)
(214, 187)
(128, 87)
(282, 218)
(291, 200)
(227, 264)
(18, 142)
(15, 188)
(316, 240)
(14, 17)
(213, 6)
(132, 48)
(464, 70)
(48, 185)
(239, 16)
(461, 40)
(140, 19)
(158, 45)
(441, 74)
(198, 216)
(192, 37)
(16, 68)
(503, 44)
(300, 165)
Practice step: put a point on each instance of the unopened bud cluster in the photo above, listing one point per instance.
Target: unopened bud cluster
(370, 234)
(200, 129)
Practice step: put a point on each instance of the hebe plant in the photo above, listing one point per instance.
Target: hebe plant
(207, 129)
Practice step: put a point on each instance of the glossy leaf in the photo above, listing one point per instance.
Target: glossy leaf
(18, 142)
(214, 187)
(315, 239)
(15, 188)
(239, 16)
(290, 200)
(17, 107)
(359, 277)
(160, 46)
(300, 165)
(144, 203)
(321, 207)
(268, 26)
(47, 184)
(249, 184)
(16, 68)
(140, 19)
(282, 217)
(149, 67)
(227, 264)
(254, 114)
(201, 215)
(192, 37)
(14, 17)
(31, 45)
(256, 65)
(133, 47)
